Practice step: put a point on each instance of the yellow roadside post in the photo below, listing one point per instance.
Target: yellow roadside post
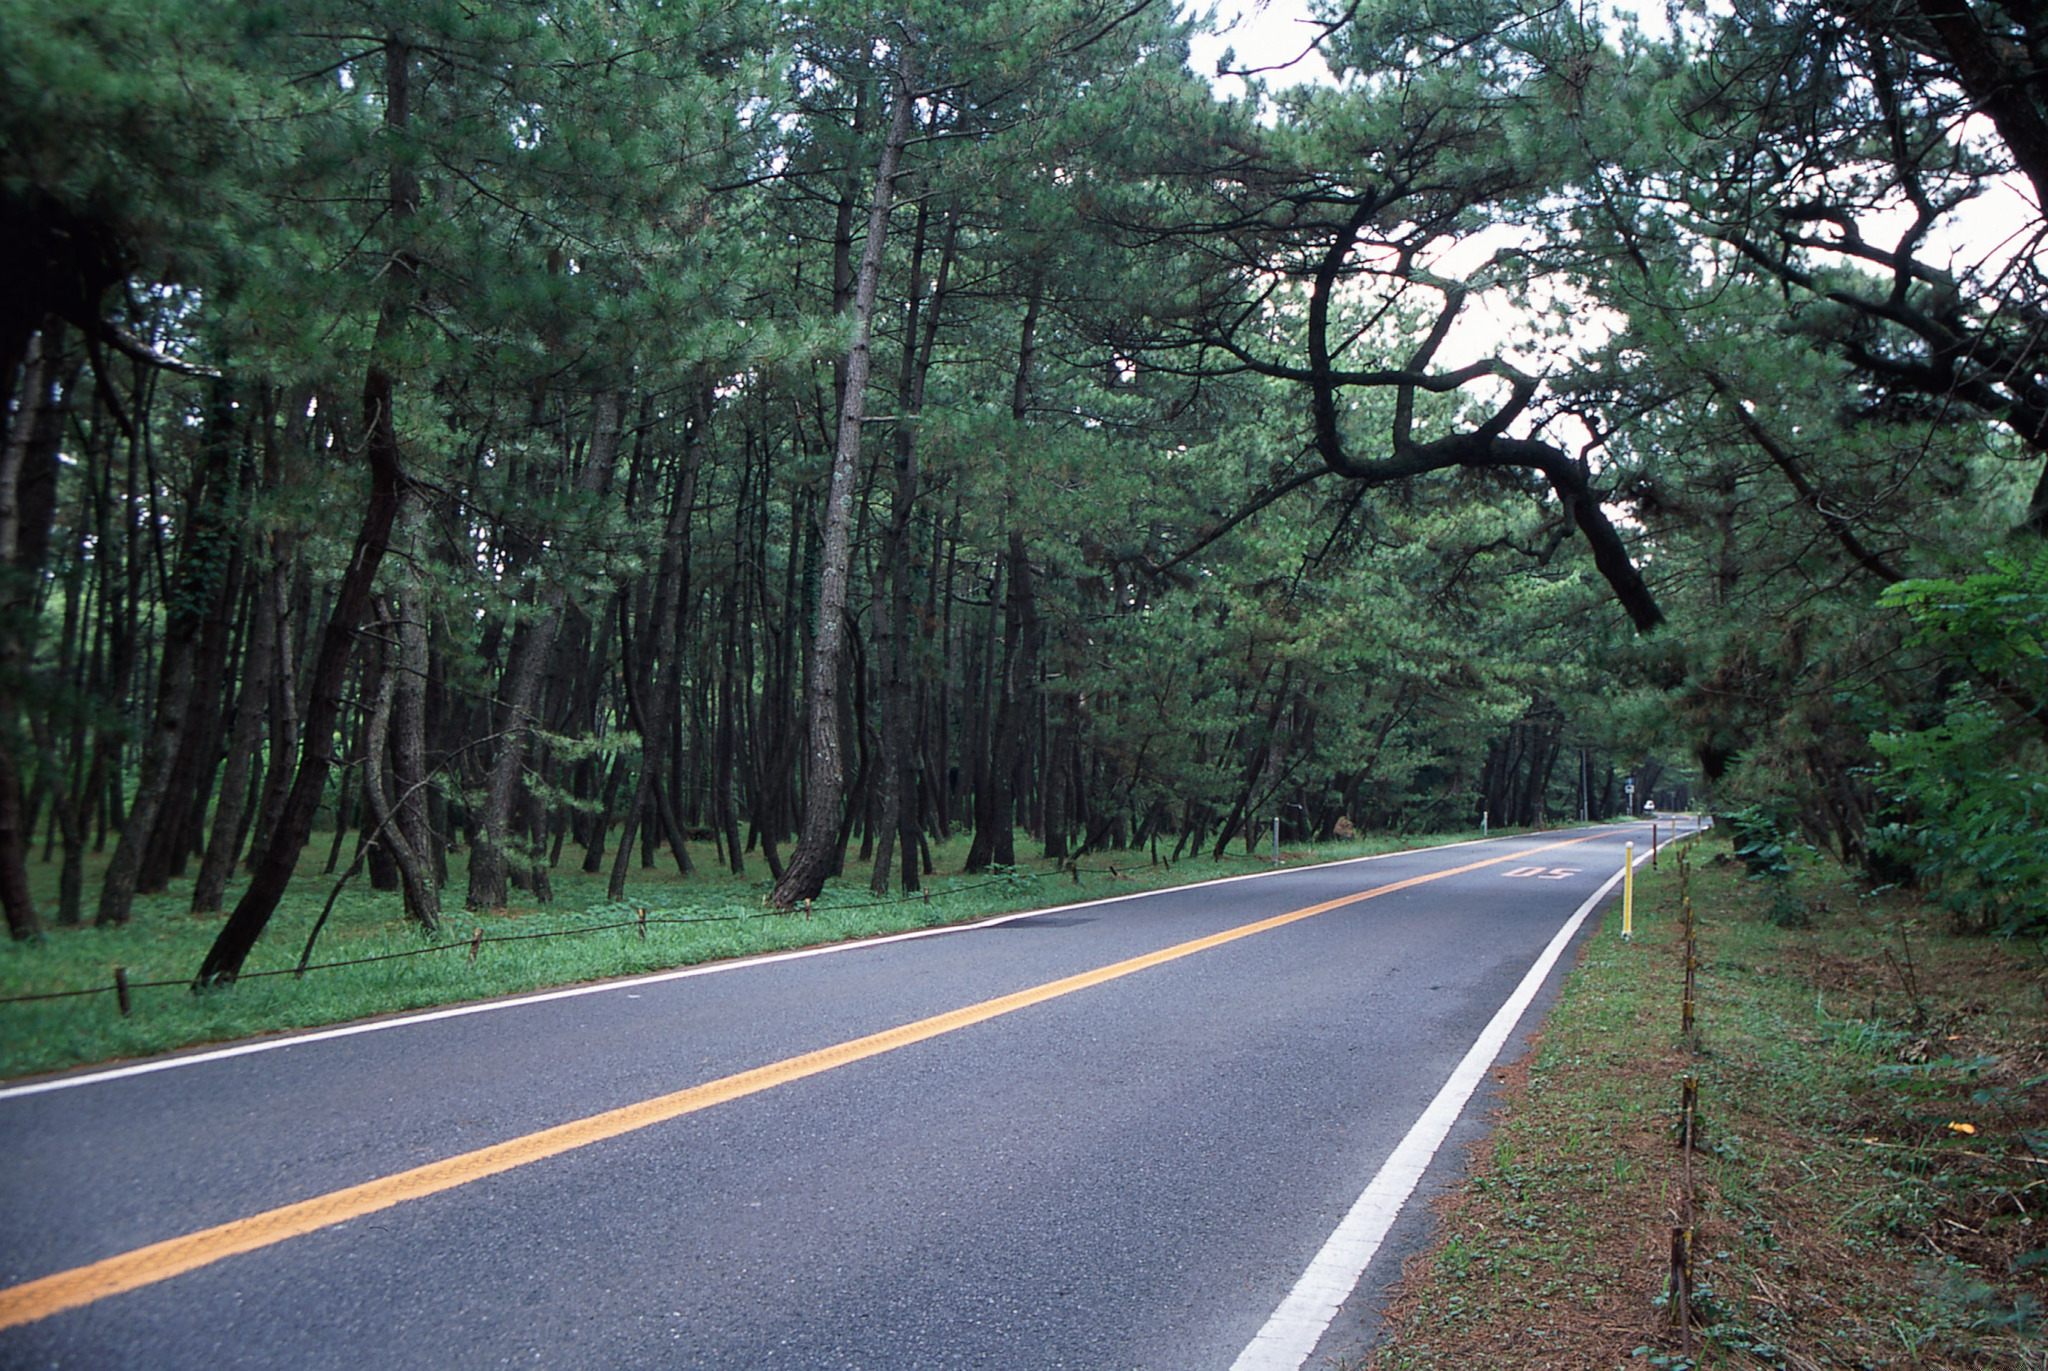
(1628, 894)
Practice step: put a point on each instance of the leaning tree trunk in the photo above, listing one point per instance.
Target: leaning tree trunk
(27, 474)
(280, 859)
(190, 630)
(159, 752)
(818, 840)
(294, 826)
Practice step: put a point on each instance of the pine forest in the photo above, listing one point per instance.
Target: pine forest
(635, 436)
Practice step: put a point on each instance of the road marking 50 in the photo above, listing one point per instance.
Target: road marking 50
(1544, 873)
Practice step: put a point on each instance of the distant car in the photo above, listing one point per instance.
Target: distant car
(1649, 806)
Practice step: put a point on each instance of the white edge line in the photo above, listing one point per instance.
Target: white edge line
(1290, 1336)
(246, 1049)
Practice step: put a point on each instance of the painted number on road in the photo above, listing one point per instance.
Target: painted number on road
(1543, 873)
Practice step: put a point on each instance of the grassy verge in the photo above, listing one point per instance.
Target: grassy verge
(1872, 1172)
(704, 917)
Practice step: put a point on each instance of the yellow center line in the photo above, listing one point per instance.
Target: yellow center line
(47, 1295)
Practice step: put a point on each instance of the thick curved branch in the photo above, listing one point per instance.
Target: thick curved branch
(1610, 556)
(1323, 389)
(1483, 448)
(1994, 86)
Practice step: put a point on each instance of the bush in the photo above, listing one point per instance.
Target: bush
(1760, 842)
(1971, 789)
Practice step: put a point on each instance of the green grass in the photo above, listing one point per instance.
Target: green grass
(164, 942)
(1873, 1124)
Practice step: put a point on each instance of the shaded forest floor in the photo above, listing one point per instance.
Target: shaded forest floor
(1871, 1172)
(368, 960)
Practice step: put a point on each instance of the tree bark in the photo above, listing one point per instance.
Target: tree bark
(995, 838)
(724, 748)
(816, 853)
(198, 743)
(488, 875)
(416, 878)
(651, 682)
(27, 474)
(995, 829)
(280, 857)
(409, 771)
(258, 667)
(273, 873)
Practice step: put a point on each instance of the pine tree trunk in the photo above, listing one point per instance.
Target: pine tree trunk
(988, 719)
(725, 746)
(27, 486)
(258, 666)
(651, 682)
(818, 853)
(279, 860)
(900, 798)
(415, 875)
(995, 837)
(280, 857)
(286, 715)
(409, 770)
(520, 690)
(191, 775)
(194, 636)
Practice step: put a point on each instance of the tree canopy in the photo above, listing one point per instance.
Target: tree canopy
(718, 424)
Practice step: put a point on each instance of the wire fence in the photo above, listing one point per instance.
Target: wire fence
(1680, 1291)
(121, 986)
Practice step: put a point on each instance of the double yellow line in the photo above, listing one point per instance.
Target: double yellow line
(38, 1299)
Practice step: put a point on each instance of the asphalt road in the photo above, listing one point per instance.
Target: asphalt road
(1125, 1174)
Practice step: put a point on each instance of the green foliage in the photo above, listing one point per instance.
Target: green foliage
(132, 120)
(1994, 622)
(1973, 787)
(1979, 831)
(1760, 842)
(657, 202)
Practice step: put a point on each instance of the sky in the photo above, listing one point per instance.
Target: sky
(1274, 32)
(1263, 33)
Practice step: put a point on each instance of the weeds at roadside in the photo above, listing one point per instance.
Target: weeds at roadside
(1874, 1172)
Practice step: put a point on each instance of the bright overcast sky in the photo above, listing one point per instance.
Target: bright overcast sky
(1271, 33)
(1264, 33)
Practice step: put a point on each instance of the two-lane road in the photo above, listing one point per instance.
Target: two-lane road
(1133, 1134)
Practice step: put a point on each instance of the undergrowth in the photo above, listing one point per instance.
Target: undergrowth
(1872, 1148)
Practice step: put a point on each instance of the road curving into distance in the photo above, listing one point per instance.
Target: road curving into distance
(1165, 1131)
